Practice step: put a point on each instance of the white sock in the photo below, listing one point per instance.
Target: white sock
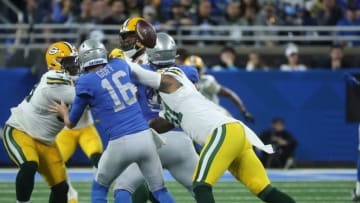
(357, 191)
(72, 193)
(94, 170)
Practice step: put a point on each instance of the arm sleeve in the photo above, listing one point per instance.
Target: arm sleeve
(78, 108)
(82, 88)
(145, 77)
(212, 86)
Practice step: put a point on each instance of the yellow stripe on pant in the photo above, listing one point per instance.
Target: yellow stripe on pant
(228, 149)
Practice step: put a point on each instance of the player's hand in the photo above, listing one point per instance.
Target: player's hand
(248, 117)
(60, 109)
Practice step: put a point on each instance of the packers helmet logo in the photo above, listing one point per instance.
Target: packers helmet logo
(53, 50)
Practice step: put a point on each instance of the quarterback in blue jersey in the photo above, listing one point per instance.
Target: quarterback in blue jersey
(107, 89)
(178, 155)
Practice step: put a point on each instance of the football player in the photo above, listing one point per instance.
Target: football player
(30, 132)
(108, 90)
(84, 134)
(211, 89)
(227, 142)
(129, 41)
(178, 155)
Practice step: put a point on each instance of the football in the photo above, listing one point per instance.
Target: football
(146, 34)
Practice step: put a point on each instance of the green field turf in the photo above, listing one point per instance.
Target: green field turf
(225, 192)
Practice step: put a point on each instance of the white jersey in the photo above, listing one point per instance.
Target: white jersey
(32, 115)
(189, 109)
(197, 116)
(209, 87)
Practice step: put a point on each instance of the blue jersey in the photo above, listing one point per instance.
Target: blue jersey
(191, 73)
(148, 97)
(111, 96)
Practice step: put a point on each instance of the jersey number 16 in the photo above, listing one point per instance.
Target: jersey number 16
(125, 91)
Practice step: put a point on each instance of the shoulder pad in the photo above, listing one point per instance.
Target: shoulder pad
(58, 77)
(173, 70)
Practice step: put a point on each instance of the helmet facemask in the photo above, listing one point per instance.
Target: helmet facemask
(130, 44)
(70, 64)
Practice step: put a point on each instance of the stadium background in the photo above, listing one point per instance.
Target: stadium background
(317, 105)
(313, 104)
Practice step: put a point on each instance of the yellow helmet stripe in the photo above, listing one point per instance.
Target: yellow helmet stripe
(130, 24)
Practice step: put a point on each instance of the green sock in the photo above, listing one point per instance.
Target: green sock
(203, 193)
(94, 158)
(59, 193)
(141, 194)
(272, 195)
(25, 181)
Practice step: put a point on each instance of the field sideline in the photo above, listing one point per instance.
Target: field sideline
(305, 185)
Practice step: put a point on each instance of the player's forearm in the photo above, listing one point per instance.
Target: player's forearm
(146, 77)
(77, 110)
(233, 97)
(68, 123)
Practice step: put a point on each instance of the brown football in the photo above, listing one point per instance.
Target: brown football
(146, 33)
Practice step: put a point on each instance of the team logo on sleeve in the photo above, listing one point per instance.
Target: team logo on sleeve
(53, 50)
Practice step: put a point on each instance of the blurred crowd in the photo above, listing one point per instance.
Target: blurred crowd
(170, 14)
(292, 60)
(165, 14)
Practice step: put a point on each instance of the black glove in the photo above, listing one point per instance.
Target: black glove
(248, 117)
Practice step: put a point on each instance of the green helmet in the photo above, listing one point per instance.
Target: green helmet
(164, 52)
(91, 53)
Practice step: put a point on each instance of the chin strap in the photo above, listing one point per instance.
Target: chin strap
(138, 53)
